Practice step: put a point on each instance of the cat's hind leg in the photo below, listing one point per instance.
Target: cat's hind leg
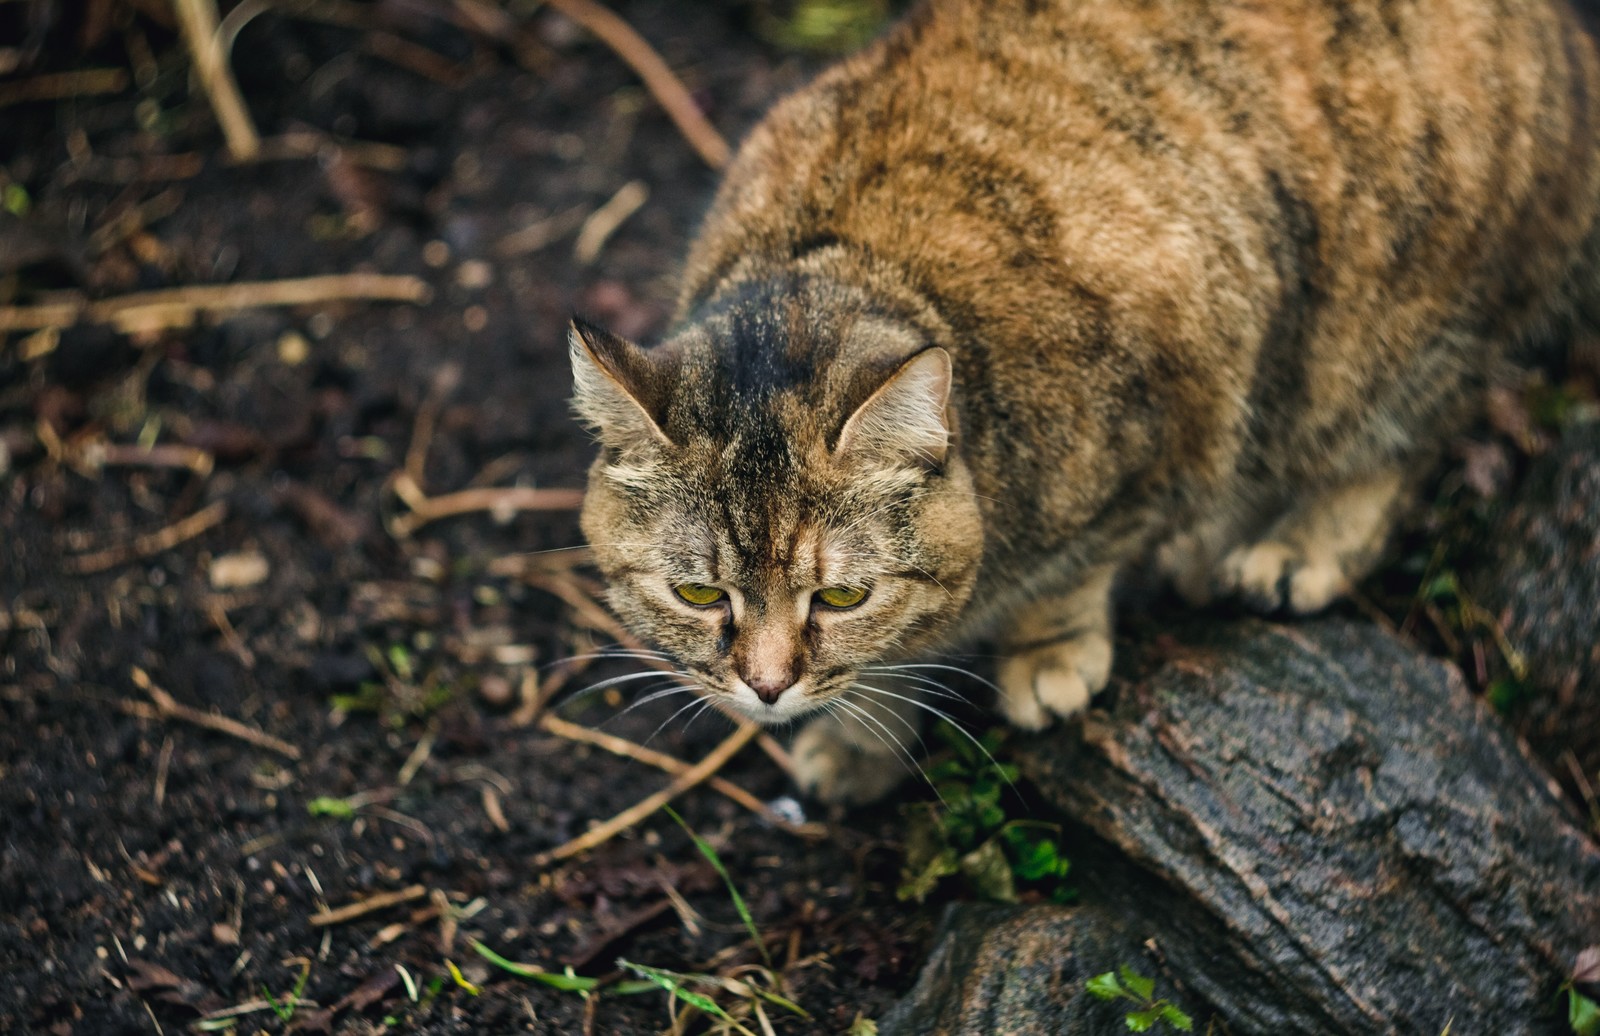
(1058, 654)
(1317, 551)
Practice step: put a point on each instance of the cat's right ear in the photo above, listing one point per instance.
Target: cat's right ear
(616, 388)
(904, 421)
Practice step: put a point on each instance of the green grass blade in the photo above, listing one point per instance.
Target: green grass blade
(569, 983)
(716, 862)
(673, 983)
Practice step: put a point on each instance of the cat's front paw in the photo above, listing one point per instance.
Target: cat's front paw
(1271, 576)
(832, 766)
(1057, 679)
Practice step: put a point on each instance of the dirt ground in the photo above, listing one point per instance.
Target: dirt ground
(154, 872)
(214, 522)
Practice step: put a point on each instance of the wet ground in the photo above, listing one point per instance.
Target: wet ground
(216, 521)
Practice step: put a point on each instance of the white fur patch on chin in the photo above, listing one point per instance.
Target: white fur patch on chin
(791, 704)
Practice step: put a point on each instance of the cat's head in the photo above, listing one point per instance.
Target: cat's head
(777, 502)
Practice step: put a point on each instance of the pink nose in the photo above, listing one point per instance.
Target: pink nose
(768, 686)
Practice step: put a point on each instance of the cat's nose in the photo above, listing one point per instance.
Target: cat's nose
(768, 686)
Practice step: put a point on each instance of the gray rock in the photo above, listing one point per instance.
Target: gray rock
(1016, 970)
(1320, 829)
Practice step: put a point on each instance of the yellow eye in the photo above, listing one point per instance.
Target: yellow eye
(841, 596)
(699, 593)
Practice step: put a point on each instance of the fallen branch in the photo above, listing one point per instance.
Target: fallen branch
(178, 307)
(381, 901)
(499, 501)
(659, 79)
(661, 761)
(695, 774)
(166, 707)
(151, 543)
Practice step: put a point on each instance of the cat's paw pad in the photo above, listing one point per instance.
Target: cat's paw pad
(830, 767)
(1272, 576)
(1039, 684)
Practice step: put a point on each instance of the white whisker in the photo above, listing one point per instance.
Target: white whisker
(948, 719)
(647, 699)
(702, 702)
(889, 741)
(935, 665)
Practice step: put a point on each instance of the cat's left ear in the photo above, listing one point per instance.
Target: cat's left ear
(904, 421)
(616, 388)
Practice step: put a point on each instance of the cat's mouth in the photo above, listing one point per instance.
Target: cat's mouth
(795, 701)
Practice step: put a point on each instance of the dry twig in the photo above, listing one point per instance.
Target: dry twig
(605, 220)
(178, 307)
(381, 901)
(542, 233)
(97, 454)
(498, 501)
(56, 86)
(659, 79)
(661, 761)
(585, 609)
(152, 543)
(444, 382)
(218, 614)
(198, 19)
(695, 774)
(166, 707)
(301, 144)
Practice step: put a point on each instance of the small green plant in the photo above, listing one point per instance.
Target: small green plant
(1583, 1014)
(1147, 1012)
(751, 986)
(403, 691)
(14, 199)
(745, 990)
(328, 806)
(1443, 591)
(967, 834)
(710, 853)
(825, 26)
(567, 981)
(285, 1008)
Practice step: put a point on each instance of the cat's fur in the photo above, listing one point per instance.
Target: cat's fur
(1028, 290)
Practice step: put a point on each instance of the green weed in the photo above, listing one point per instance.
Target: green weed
(285, 1008)
(15, 200)
(1583, 1014)
(826, 26)
(1147, 1012)
(728, 998)
(968, 834)
(404, 690)
(567, 981)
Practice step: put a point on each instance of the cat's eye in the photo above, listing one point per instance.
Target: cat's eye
(699, 594)
(842, 596)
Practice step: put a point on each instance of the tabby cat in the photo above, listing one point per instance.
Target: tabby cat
(1032, 290)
